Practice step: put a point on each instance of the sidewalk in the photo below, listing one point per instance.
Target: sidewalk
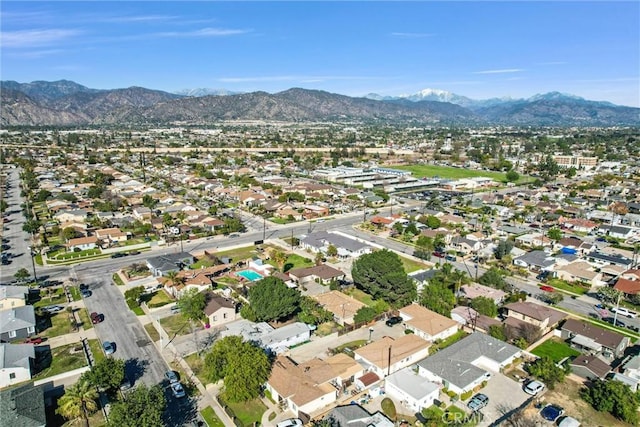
(72, 338)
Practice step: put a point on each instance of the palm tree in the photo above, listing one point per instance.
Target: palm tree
(279, 258)
(174, 278)
(79, 401)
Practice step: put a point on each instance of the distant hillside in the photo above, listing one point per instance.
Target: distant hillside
(68, 103)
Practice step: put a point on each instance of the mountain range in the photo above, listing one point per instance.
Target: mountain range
(66, 103)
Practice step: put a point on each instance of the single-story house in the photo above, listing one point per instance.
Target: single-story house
(112, 235)
(82, 243)
(16, 363)
(470, 318)
(592, 338)
(356, 416)
(602, 259)
(23, 406)
(427, 324)
(535, 261)
(387, 355)
(589, 367)
(407, 387)
(422, 277)
(628, 287)
(219, 310)
(200, 279)
(282, 339)
(322, 273)
(347, 247)
(579, 271)
(543, 317)
(17, 322)
(342, 306)
(309, 387)
(13, 296)
(162, 264)
(465, 364)
(475, 290)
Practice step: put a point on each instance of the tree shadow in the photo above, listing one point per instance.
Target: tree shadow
(179, 411)
(134, 369)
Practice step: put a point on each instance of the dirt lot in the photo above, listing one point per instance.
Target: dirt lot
(567, 396)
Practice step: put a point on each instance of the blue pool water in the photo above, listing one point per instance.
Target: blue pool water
(249, 275)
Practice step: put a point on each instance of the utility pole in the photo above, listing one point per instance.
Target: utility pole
(33, 264)
(264, 229)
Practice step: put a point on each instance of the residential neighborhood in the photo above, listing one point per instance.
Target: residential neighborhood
(359, 289)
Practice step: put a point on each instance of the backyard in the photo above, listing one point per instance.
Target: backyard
(555, 349)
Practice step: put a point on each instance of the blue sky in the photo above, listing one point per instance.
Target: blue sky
(477, 49)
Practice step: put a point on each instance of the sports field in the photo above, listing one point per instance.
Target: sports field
(421, 171)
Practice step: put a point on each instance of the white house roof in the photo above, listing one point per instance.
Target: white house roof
(412, 384)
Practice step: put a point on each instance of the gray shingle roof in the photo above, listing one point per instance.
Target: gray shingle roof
(455, 363)
(17, 318)
(16, 355)
(22, 406)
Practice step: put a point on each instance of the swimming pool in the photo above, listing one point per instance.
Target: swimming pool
(249, 275)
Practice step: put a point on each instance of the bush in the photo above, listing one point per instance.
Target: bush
(388, 408)
(466, 395)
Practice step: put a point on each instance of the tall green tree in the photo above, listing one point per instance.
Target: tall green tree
(614, 397)
(424, 247)
(192, 304)
(547, 370)
(484, 305)
(21, 274)
(79, 401)
(108, 373)
(438, 297)
(381, 275)
(143, 407)
(493, 278)
(242, 365)
(554, 234)
(364, 314)
(271, 299)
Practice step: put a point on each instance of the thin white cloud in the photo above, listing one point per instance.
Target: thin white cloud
(412, 35)
(501, 71)
(35, 38)
(140, 18)
(203, 32)
(33, 54)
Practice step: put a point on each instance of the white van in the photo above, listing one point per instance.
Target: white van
(624, 312)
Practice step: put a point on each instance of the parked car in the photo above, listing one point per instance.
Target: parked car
(178, 390)
(96, 318)
(393, 320)
(33, 340)
(618, 323)
(83, 287)
(125, 384)
(542, 276)
(438, 254)
(625, 312)
(86, 293)
(551, 412)
(533, 387)
(291, 422)
(52, 308)
(109, 347)
(175, 309)
(478, 402)
(547, 288)
(134, 253)
(118, 255)
(172, 377)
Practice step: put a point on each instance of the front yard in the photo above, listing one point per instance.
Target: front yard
(59, 360)
(176, 325)
(55, 325)
(248, 412)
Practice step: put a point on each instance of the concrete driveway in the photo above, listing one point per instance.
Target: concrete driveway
(504, 394)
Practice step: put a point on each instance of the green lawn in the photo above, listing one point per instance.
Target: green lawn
(83, 314)
(248, 412)
(75, 293)
(175, 324)
(210, 417)
(62, 359)
(564, 285)
(421, 171)
(293, 261)
(57, 297)
(117, 279)
(196, 363)
(439, 345)
(365, 298)
(152, 331)
(96, 349)
(410, 265)
(56, 325)
(555, 349)
(159, 299)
